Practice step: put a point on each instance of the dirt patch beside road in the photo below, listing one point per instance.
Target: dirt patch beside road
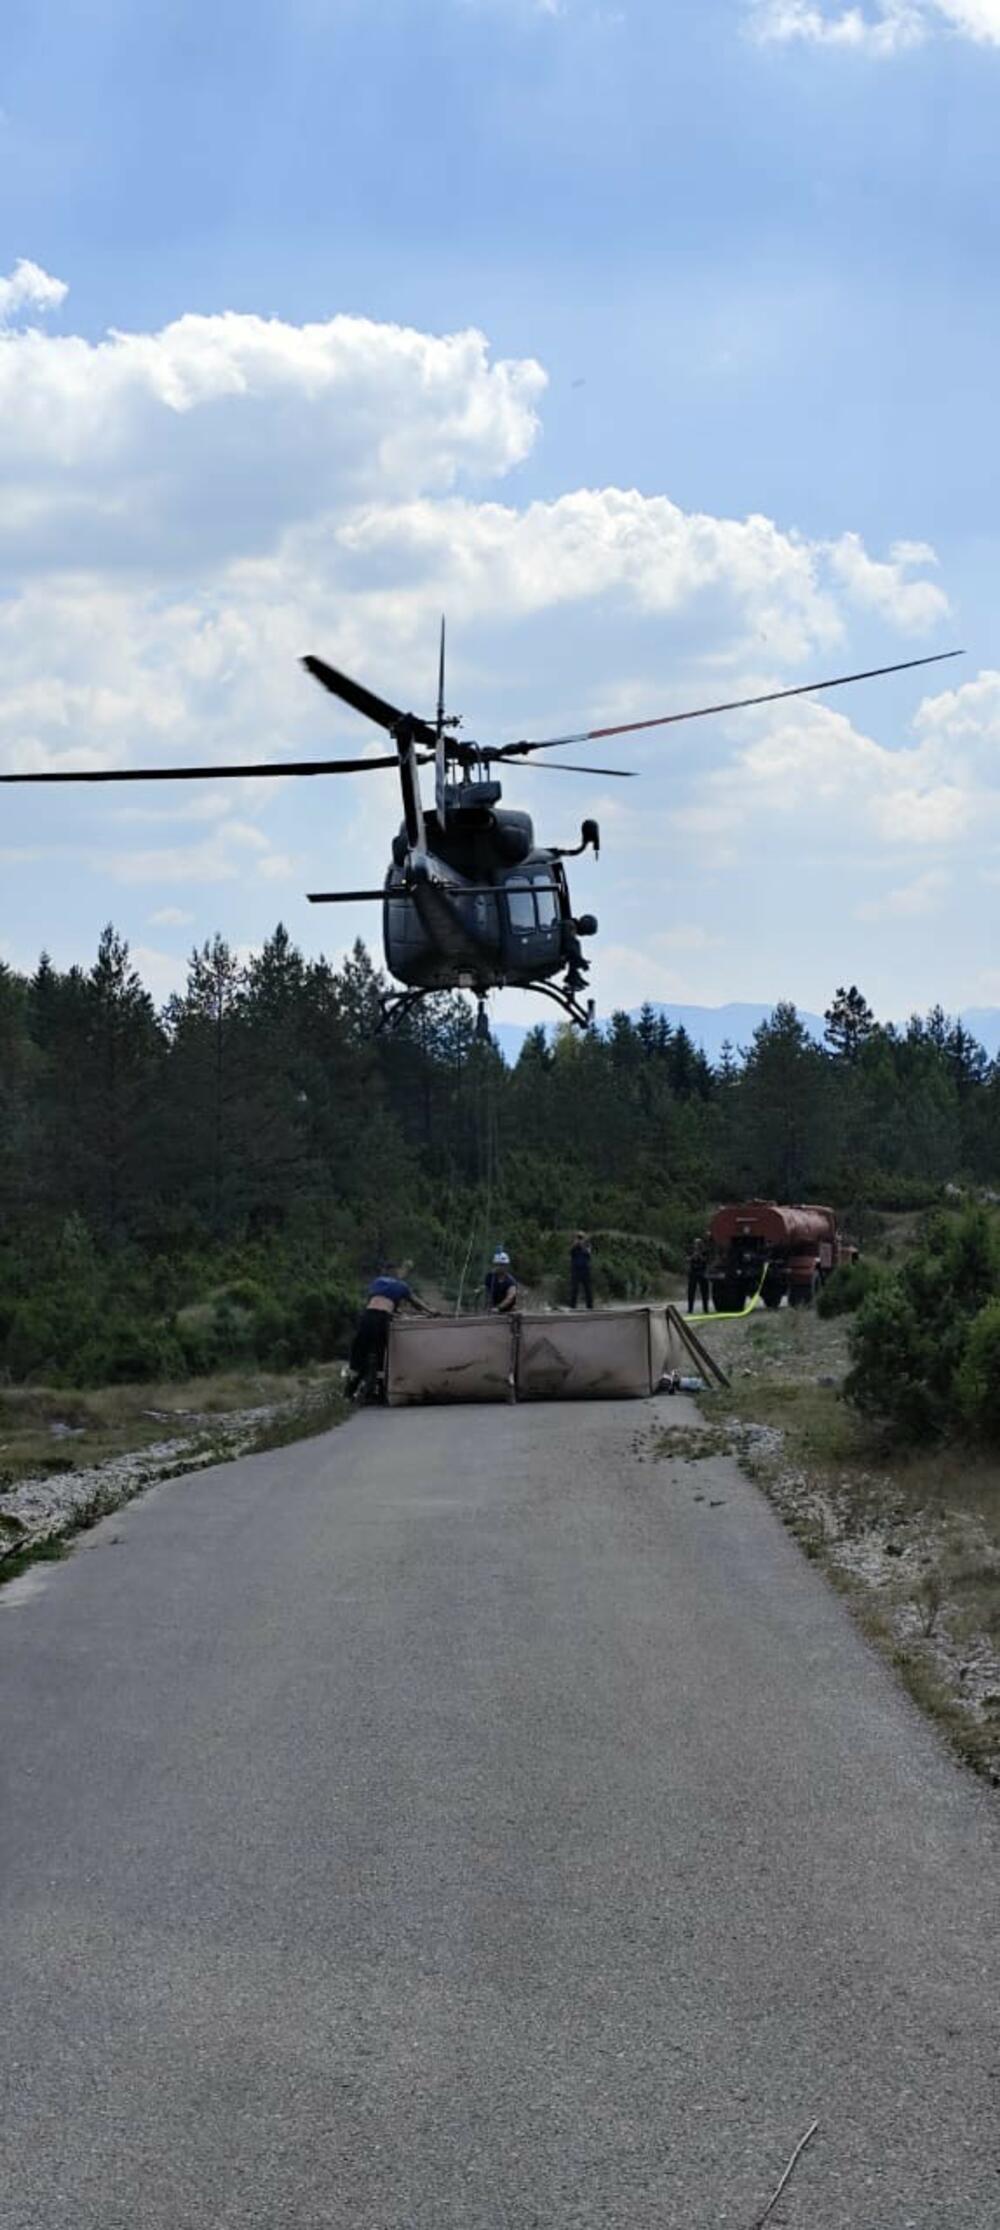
(911, 1539)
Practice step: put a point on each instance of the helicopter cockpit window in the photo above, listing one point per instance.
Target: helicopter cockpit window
(547, 902)
(521, 905)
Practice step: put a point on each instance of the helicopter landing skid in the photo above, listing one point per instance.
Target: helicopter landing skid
(395, 1005)
(562, 996)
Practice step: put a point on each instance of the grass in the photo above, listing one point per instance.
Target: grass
(47, 1430)
(679, 1444)
(39, 1552)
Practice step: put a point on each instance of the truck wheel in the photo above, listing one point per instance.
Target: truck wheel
(772, 1293)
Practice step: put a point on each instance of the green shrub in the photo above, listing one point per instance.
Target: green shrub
(126, 1354)
(847, 1287)
(916, 1363)
(243, 1293)
(891, 1373)
(44, 1335)
(900, 1195)
(320, 1323)
(270, 1334)
(198, 1345)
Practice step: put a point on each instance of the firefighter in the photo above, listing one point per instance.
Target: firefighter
(500, 1284)
(698, 1275)
(579, 1271)
(387, 1293)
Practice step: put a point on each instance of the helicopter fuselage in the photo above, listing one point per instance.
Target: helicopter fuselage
(512, 925)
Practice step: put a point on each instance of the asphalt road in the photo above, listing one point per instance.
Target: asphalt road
(454, 1824)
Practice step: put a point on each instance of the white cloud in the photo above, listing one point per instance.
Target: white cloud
(965, 723)
(162, 972)
(205, 439)
(811, 768)
(595, 543)
(980, 18)
(896, 24)
(28, 287)
(886, 27)
(908, 901)
(886, 588)
(185, 512)
(233, 852)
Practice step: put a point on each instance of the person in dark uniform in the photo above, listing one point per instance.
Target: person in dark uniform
(388, 1292)
(500, 1284)
(579, 1271)
(698, 1275)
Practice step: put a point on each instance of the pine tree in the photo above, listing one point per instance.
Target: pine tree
(121, 1057)
(849, 1023)
(784, 1104)
(207, 1067)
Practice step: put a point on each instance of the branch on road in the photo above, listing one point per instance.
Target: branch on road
(759, 2220)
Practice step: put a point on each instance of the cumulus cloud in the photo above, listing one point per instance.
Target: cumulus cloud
(815, 783)
(596, 543)
(186, 511)
(964, 723)
(979, 18)
(205, 439)
(887, 587)
(886, 27)
(28, 287)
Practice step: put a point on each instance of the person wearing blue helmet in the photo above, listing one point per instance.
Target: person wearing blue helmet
(500, 1284)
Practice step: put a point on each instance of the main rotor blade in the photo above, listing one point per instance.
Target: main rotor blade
(735, 704)
(564, 766)
(343, 897)
(406, 891)
(363, 700)
(209, 774)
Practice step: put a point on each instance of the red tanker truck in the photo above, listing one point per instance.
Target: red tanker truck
(791, 1249)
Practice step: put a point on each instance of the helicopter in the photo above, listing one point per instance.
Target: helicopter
(470, 901)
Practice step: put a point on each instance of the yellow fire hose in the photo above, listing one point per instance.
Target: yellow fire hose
(732, 1316)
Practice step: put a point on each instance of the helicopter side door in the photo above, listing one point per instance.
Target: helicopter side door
(534, 920)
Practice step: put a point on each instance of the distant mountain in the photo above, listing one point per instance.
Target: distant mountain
(710, 1027)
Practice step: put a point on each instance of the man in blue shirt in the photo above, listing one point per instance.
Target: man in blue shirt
(501, 1284)
(386, 1293)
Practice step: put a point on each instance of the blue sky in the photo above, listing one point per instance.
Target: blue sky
(752, 250)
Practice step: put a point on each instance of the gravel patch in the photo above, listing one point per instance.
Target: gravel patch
(38, 1511)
